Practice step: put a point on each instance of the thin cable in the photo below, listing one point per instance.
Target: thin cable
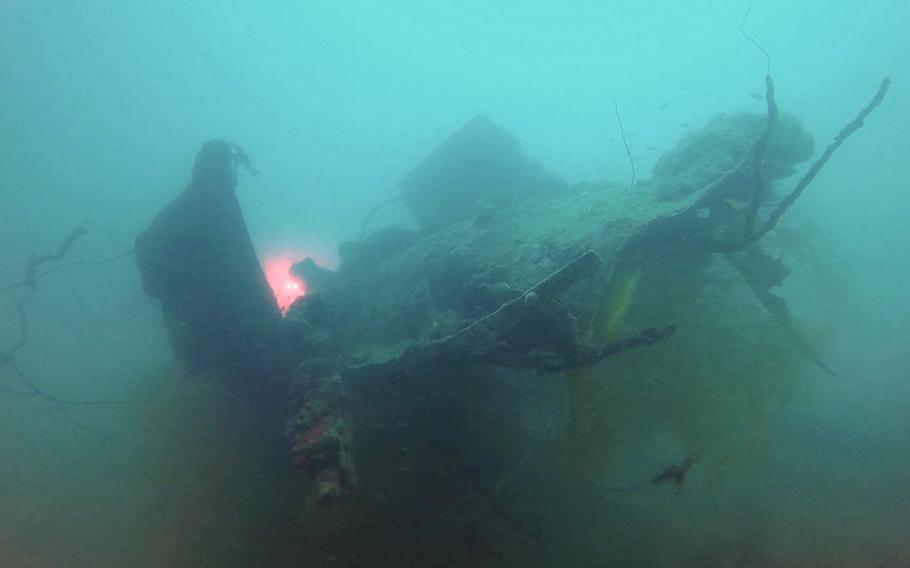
(32, 281)
(617, 488)
(605, 273)
(622, 133)
(742, 30)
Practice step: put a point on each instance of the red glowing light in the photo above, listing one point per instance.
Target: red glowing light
(285, 285)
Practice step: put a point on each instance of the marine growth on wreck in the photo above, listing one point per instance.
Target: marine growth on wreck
(649, 312)
(475, 389)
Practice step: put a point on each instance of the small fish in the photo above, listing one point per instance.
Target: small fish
(650, 148)
(735, 206)
(665, 106)
(685, 125)
(756, 95)
(676, 473)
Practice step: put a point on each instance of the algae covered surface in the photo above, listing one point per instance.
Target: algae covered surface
(465, 451)
(712, 387)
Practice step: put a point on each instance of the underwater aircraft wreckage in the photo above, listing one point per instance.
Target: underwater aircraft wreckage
(511, 269)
